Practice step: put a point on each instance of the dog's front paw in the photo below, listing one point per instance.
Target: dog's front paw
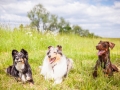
(58, 81)
(18, 79)
(31, 84)
(104, 71)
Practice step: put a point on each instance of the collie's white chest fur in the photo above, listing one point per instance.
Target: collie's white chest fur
(60, 69)
(19, 66)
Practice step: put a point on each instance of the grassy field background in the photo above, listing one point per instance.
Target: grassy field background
(82, 50)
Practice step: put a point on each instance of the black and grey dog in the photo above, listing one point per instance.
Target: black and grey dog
(20, 68)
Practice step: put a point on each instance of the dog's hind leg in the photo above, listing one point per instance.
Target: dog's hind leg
(66, 75)
(69, 67)
(115, 68)
(29, 78)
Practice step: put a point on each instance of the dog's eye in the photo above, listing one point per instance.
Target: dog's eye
(48, 53)
(104, 45)
(16, 58)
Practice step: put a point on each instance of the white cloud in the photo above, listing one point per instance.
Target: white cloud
(17, 7)
(14, 18)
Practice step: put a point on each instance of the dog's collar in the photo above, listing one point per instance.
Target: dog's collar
(54, 65)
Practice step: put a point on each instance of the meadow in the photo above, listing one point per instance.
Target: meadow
(81, 49)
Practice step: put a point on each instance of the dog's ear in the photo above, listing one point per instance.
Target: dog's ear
(49, 47)
(100, 41)
(111, 45)
(14, 52)
(59, 47)
(24, 52)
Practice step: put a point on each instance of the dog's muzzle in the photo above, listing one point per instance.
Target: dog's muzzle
(51, 60)
(18, 60)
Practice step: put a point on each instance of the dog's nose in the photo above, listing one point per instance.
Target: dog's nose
(97, 47)
(17, 58)
(49, 56)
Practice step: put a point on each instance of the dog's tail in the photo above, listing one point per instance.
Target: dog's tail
(70, 64)
(8, 70)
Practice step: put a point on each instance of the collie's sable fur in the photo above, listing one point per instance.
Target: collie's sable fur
(20, 69)
(56, 65)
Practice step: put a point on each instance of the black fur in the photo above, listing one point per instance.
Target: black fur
(20, 67)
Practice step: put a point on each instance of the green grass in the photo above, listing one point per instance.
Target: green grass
(82, 50)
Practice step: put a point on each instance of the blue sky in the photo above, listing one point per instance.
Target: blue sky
(102, 17)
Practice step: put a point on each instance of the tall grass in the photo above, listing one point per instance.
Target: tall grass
(80, 49)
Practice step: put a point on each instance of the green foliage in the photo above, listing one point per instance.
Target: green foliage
(38, 15)
(21, 27)
(77, 29)
(81, 49)
(53, 23)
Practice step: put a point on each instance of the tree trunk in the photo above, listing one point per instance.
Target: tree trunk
(38, 28)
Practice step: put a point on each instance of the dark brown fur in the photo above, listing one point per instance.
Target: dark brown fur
(104, 58)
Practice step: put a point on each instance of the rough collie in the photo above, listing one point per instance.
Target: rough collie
(56, 66)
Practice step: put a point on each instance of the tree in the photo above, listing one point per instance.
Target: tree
(15, 29)
(38, 15)
(86, 33)
(67, 28)
(77, 29)
(21, 26)
(64, 27)
(53, 23)
(61, 25)
(45, 20)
